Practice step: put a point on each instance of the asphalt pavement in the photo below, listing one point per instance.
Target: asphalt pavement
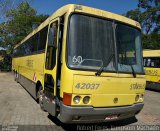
(20, 112)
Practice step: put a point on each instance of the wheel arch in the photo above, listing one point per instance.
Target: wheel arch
(38, 85)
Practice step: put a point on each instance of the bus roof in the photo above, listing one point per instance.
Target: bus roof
(84, 9)
(151, 53)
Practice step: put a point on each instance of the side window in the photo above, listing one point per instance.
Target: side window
(20, 50)
(14, 52)
(42, 38)
(144, 62)
(155, 62)
(32, 43)
(148, 62)
(29, 42)
(17, 52)
(35, 42)
(152, 62)
(51, 48)
(158, 62)
(27, 48)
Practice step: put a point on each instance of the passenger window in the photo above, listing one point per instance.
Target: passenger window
(35, 42)
(42, 38)
(152, 62)
(51, 48)
(144, 62)
(148, 62)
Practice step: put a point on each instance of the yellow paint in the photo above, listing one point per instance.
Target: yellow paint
(152, 74)
(151, 53)
(111, 85)
(29, 65)
(109, 88)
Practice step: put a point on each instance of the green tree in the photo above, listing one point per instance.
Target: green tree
(135, 15)
(147, 14)
(6, 5)
(151, 41)
(20, 22)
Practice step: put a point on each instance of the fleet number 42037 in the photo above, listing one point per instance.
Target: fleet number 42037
(88, 86)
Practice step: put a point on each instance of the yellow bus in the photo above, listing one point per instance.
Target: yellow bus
(151, 59)
(83, 64)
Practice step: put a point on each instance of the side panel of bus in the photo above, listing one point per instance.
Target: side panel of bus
(30, 71)
(152, 70)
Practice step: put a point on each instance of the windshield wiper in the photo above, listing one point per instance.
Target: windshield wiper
(99, 72)
(133, 72)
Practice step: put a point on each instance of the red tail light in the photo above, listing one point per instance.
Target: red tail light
(67, 98)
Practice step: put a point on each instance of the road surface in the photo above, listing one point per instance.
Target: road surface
(19, 111)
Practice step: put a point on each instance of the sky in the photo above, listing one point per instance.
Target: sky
(49, 6)
(115, 6)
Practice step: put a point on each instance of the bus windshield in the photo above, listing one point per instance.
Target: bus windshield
(91, 44)
(129, 51)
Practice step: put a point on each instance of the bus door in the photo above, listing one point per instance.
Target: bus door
(50, 70)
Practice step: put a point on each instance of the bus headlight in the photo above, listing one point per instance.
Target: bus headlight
(137, 98)
(141, 97)
(76, 99)
(86, 99)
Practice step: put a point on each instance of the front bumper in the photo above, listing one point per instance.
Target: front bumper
(70, 114)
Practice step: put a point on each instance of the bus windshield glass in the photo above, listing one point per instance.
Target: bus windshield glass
(91, 44)
(129, 51)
